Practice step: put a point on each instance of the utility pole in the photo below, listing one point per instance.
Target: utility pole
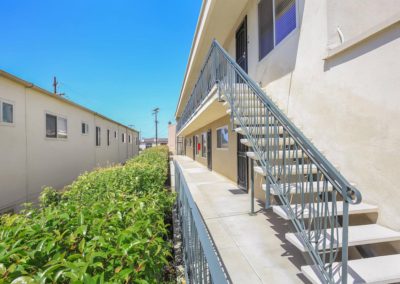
(155, 112)
(55, 84)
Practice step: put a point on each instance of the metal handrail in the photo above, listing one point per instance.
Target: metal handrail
(202, 264)
(293, 166)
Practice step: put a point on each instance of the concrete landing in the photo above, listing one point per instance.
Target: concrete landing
(253, 248)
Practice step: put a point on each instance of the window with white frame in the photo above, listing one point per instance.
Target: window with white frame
(123, 137)
(276, 20)
(129, 139)
(85, 128)
(6, 112)
(222, 137)
(98, 136)
(108, 137)
(115, 134)
(204, 144)
(56, 126)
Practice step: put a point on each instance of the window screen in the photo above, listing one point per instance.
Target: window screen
(51, 126)
(62, 127)
(285, 18)
(204, 144)
(85, 128)
(8, 113)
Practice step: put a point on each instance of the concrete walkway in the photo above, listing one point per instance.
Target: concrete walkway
(253, 248)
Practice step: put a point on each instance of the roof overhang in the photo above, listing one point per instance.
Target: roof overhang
(216, 20)
(29, 85)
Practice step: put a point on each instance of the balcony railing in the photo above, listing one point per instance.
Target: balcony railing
(202, 264)
(307, 186)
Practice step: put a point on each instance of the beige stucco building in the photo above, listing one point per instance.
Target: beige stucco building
(47, 140)
(331, 68)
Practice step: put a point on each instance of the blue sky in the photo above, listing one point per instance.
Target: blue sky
(120, 58)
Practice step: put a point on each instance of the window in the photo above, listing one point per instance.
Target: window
(7, 112)
(98, 136)
(56, 127)
(276, 20)
(129, 139)
(204, 144)
(115, 135)
(123, 137)
(51, 126)
(222, 137)
(85, 128)
(108, 137)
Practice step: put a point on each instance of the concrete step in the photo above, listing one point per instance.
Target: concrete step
(379, 269)
(362, 208)
(289, 154)
(358, 235)
(260, 130)
(272, 141)
(292, 169)
(253, 120)
(294, 186)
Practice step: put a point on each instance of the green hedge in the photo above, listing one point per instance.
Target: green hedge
(107, 226)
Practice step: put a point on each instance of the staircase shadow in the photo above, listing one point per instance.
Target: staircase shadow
(281, 227)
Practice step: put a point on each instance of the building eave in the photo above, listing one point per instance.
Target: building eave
(57, 97)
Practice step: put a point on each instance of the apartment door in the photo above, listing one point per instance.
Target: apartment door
(209, 150)
(194, 147)
(242, 164)
(241, 45)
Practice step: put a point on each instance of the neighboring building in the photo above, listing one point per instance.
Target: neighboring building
(47, 140)
(331, 69)
(151, 142)
(172, 138)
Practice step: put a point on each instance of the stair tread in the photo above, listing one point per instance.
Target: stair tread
(261, 130)
(261, 170)
(293, 186)
(279, 154)
(360, 208)
(358, 235)
(362, 270)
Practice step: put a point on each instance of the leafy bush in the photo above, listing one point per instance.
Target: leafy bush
(108, 226)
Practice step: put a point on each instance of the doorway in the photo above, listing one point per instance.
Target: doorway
(241, 45)
(242, 164)
(209, 149)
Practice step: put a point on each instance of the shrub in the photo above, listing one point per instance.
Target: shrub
(108, 226)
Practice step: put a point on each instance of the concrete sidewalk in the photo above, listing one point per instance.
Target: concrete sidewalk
(253, 248)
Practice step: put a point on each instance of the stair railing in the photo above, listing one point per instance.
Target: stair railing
(313, 193)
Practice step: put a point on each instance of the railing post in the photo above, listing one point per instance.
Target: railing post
(345, 235)
(267, 193)
(252, 185)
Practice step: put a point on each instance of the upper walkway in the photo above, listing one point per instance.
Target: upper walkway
(253, 248)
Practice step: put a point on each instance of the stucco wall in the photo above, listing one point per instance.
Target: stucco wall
(224, 161)
(348, 104)
(30, 161)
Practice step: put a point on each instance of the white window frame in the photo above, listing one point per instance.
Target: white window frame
(123, 137)
(289, 35)
(57, 117)
(86, 128)
(2, 123)
(216, 135)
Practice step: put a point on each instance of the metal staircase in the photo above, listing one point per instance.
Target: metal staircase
(307, 189)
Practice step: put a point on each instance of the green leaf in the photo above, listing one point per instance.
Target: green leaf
(23, 280)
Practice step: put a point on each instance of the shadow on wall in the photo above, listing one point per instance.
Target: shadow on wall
(281, 61)
(385, 36)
